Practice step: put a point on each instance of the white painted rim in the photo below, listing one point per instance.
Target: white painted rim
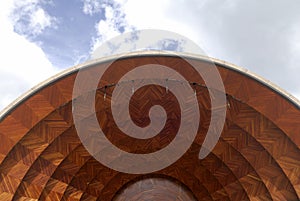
(73, 69)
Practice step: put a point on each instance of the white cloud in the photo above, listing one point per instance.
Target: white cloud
(113, 24)
(124, 16)
(108, 28)
(151, 15)
(23, 63)
(262, 36)
(30, 19)
(91, 7)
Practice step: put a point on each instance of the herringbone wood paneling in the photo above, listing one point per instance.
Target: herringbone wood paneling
(256, 158)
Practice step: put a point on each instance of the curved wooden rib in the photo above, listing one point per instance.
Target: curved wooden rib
(256, 158)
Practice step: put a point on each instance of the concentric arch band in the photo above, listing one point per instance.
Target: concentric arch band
(151, 162)
(57, 94)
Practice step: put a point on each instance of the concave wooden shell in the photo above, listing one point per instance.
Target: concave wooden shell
(256, 158)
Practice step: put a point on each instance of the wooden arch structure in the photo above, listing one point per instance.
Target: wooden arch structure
(256, 158)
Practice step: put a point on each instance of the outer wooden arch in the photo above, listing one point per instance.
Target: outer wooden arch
(256, 158)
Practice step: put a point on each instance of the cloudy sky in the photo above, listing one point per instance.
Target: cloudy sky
(40, 38)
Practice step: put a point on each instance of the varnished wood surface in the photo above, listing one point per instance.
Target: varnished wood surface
(256, 158)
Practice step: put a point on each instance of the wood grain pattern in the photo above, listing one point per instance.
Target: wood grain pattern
(256, 158)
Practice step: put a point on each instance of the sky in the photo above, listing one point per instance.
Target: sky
(40, 38)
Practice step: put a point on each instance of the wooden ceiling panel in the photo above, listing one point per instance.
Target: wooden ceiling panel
(256, 158)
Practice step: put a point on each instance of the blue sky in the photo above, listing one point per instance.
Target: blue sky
(40, 38)
(68, 39)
